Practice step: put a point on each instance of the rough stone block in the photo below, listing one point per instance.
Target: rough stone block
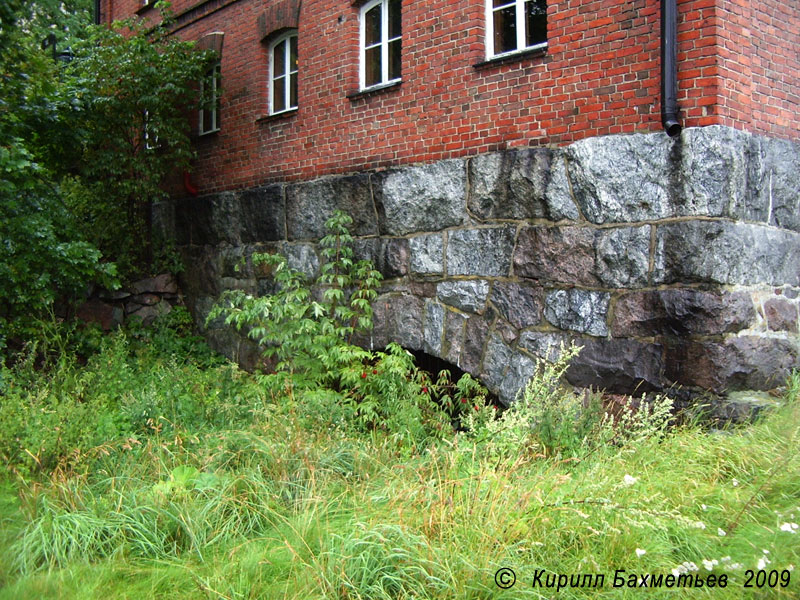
(389, 256)
(398, 318)
(514, 185)
(680, 312)
(776, 181)
(781, 314)
(623, 256)
(726, 253)
(520, 370)
(480, 252)
(425, 198)
(310, 204)
(475, 334)
(263, 214)
(208, 220)
(615, 257)
(519, 303)
(434, 327)
(453, 342)
(302, 257)
(557, 254)
(544, 346)
(713, 173)
(621, 178)
(469, 296)
(737, 363)
(624, 366)
(427, 252)
(578, 310)
(495, 363)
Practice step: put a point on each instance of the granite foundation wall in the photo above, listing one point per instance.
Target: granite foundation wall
(674, 263)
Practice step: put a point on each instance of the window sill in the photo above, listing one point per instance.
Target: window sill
(375, 89)
(512, 57)
(210, 132)
(284, 114)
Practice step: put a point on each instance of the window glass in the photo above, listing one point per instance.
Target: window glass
(279, 59)
(381, 29)
(283, 73)
(505, 29)
(210, 95)
(395, 19)
(372, 26)
(535, 22)
(514, 25)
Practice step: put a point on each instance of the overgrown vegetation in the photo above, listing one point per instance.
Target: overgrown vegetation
(154, 469)
(84, 149)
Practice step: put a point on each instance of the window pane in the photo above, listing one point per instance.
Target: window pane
(394, 59)
(279, 94)
(293, 54)
(372, 66)
(372, 26)
(208, 120)
(499, 3)
(535, 22)
(293, 91)
(279, 60)
(395, 29)
(505, 30)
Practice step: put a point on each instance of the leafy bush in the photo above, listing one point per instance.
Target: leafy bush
(310, 337)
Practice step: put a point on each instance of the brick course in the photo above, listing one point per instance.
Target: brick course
(738, 66)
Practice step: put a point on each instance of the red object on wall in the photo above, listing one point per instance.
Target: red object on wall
(738, 65)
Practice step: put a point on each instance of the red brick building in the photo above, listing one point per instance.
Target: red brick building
(389, 82)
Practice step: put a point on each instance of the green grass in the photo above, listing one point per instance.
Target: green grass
(262, 505)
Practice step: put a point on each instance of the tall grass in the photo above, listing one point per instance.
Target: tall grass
(273, 507)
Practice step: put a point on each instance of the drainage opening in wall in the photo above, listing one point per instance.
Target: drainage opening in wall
(447, 394)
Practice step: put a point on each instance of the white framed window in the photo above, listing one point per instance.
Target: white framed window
(283, 74)
(380, 42)
(210, 89)
(515, 25)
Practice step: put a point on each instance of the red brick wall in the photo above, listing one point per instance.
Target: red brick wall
(600, 75)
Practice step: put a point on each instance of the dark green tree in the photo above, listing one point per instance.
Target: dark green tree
(43, 257)
(124, 101)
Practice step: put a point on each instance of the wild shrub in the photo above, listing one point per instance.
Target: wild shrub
(552, 419)
(307, 329)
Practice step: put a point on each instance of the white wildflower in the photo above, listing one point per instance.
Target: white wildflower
(735, 482)
(703, 506)
(761, 564)
(700, 525)
(629, 480)
(765, 551)
(790, 568)
(640, 552)
(790, 527)
(725, 558)
(721, 532)
(708, 564)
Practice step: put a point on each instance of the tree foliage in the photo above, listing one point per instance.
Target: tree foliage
(125, 99)
(78, 173)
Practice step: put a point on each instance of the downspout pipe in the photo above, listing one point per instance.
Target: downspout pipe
(97, 12)
(669, 68)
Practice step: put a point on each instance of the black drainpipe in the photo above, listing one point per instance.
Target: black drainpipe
(669, 68)
(97, 12)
